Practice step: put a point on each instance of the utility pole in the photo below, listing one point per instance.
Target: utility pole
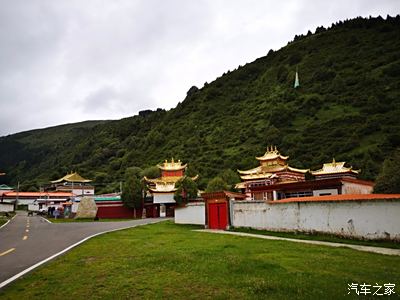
(17, 193)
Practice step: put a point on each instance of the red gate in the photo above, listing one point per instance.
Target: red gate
(218, 217)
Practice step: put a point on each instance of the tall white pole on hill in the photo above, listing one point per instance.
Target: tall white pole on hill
(296, 80)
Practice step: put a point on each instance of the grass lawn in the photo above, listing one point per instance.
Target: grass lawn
(85, 220)
(3, 220)
(168, 261)
(321, 237)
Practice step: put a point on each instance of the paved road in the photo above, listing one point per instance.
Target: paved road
(26, 241)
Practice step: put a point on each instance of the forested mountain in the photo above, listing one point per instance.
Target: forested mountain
(347, 107)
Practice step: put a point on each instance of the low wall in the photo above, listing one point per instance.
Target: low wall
(192, 213)
(372, 219)
(6, 207)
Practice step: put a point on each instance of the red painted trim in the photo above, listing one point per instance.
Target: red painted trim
(345, 197)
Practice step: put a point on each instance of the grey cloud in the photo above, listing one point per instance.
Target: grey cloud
(66, 61)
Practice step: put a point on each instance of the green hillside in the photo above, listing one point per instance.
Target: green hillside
(347, 107)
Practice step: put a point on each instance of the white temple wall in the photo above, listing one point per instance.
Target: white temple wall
(161, 198)
(371, 219)
(6, 207)
(355, 188)
(192, 213)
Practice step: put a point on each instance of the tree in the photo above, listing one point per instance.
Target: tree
(216, 184)
(388, 180)
(230, 177)
(132, 192)
(186, 189)
(151, 172)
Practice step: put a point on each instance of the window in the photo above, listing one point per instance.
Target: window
(298, 194)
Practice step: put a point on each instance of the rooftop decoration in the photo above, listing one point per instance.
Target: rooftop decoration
(272, 165)
(335, 168)
(172, 166)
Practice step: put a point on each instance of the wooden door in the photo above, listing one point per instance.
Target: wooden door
(218, 218)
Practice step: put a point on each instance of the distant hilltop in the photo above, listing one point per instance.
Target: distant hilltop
(347, 106)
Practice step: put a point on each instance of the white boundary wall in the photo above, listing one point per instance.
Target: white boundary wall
(192, 213)
(6, 207)
(372, 219)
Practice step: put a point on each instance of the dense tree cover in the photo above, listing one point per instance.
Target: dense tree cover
(347, 107)
(388, 180)
(186, 190)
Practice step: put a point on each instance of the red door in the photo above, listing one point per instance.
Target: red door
(218, 218)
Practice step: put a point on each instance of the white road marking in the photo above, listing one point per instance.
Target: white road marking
(47, 220)
(8, 251)
(25, 237)
(8, 221)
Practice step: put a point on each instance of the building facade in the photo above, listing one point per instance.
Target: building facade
(275, 180)
(162, 189)
(75, 184)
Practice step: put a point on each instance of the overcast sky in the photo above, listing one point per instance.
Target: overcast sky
(70, 61)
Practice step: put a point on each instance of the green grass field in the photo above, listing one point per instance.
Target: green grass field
(168, 261)
(3, 221)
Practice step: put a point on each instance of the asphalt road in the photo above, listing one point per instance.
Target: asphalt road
(25, 241)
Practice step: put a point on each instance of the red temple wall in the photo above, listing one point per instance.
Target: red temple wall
(178, 173)
(111, 212)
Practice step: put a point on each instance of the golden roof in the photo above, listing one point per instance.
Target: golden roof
(161, 188)
(167, 179)
(334, 168)
(272, 153)
(251, 171)
(163, 180)
(162, 191)
(72, 177)
(267, 171)
(172, 166)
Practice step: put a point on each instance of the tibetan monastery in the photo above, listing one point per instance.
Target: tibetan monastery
(163, 189)
(74, 183)
(273, 169)
(274, 180)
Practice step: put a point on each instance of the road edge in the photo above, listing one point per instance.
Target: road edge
(7, 222)
(15, 277)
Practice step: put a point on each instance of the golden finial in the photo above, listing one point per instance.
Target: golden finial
(172, 160)
(276, 149)
(334, 162)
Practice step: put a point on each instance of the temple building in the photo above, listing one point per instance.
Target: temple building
(274, 179)
(75, 184)
(273, 169)
(335, 170)
(162, 189)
